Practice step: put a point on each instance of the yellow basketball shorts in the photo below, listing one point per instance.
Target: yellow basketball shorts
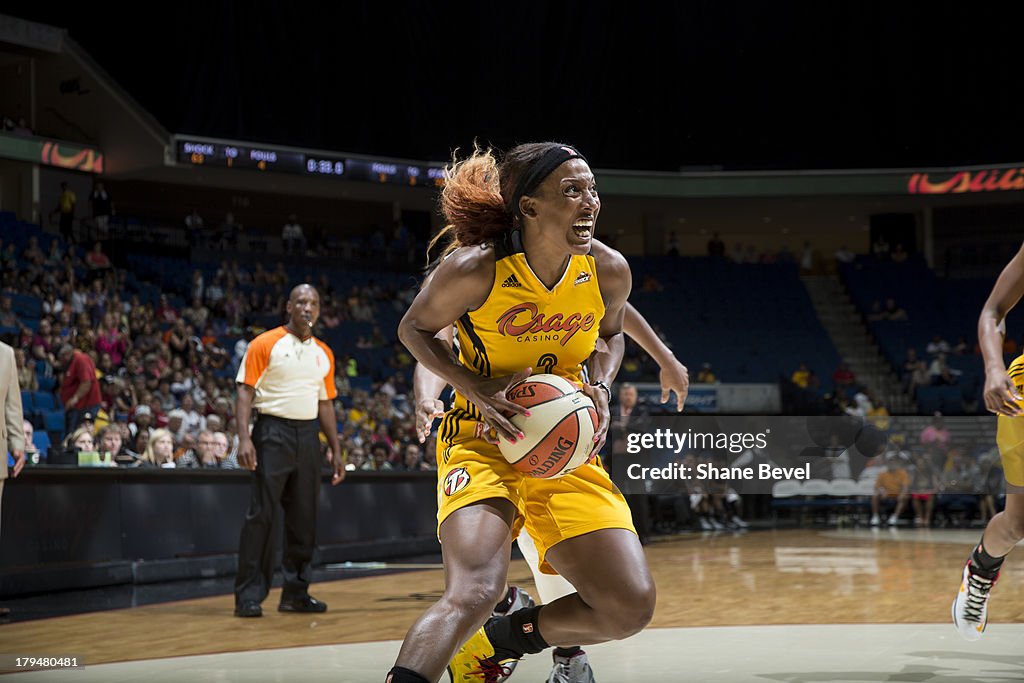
(469, 470)
(1010, 439)
(1010, 432)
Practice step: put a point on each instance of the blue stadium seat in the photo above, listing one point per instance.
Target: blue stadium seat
(788, 333)
(929, 399)
(26, 401)
(53, 420)
(45, 383)
(44, 400)
(41, 440)
(361, 382)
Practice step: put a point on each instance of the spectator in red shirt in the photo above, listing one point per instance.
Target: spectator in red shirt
(843, 376)
(79, 390)
(96, 259)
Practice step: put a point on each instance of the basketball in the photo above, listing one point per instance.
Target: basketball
(559, 431)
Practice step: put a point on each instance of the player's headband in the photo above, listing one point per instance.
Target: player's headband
(541, 169)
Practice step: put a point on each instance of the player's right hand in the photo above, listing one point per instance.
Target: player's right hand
(488, 395)
(1001, 395)
(246, 453)
(427, 410)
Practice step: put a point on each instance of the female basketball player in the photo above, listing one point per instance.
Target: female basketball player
(570, 664)
(1003, 391)
(527, 286)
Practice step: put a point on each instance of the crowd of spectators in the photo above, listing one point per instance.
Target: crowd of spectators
(152, 382)
(807, 257)
(933, 368)
(929, 474)
(396, 246)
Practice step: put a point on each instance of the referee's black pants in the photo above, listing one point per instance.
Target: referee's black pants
(287, 472)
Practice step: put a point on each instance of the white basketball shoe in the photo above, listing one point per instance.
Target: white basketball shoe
(575, 669)
(970, 608)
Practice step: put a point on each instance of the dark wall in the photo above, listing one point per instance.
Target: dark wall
(57, 521)
(262, 212)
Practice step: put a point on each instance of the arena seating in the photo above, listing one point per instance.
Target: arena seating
(752, 322)
(934, 306)
(708, 309)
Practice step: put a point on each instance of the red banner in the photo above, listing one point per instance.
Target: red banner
(77, 158)
(983, 180)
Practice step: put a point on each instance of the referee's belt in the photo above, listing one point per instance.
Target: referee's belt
(285, 420)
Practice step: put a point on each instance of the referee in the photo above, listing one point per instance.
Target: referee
(287, 376)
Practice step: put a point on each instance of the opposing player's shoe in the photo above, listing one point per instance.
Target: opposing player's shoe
(575, 669)
(515, 600)
(475, 661)
(970, 609)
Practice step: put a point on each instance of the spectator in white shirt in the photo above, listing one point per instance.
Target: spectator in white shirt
(193, 423)
(292, 237)
(844, 255)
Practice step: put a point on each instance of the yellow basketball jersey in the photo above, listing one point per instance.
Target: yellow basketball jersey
(1016, 372)
(524, 324)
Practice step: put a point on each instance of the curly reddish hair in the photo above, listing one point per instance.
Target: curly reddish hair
(476, 199)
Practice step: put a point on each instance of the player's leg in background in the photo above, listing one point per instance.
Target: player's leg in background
(1006, 529)
(734, 508)
(550, 587)
(615, 592)
(570, 664)
(970, 608)
(699, 505)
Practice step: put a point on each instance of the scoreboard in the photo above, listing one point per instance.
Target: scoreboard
(230, 155)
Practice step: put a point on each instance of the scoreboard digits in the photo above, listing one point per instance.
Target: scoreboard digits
(198, 153)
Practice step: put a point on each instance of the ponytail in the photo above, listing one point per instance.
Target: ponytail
(479, 194)
(471, 202)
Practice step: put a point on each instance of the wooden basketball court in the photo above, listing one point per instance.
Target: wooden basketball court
(761, 581)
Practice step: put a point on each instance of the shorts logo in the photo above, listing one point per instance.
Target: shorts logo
(456, 480)
(581, 278)
(527, 628)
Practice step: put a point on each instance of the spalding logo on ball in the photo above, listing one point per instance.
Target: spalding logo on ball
(559, 431)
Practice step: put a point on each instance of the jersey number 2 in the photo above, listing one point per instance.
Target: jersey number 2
(548, 361)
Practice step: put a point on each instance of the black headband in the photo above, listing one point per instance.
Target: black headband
(541, 169)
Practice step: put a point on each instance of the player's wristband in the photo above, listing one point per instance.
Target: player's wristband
(603, 385)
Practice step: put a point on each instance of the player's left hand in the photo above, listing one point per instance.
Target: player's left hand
(675, 377)
(338, 464)
(427, 410)
(600, 398)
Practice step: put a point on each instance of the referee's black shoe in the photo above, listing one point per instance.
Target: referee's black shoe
(248, 608)
(302, 603)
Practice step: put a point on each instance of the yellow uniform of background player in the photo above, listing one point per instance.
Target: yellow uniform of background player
(1004, 396)
(1010, 432)
(524, 324)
